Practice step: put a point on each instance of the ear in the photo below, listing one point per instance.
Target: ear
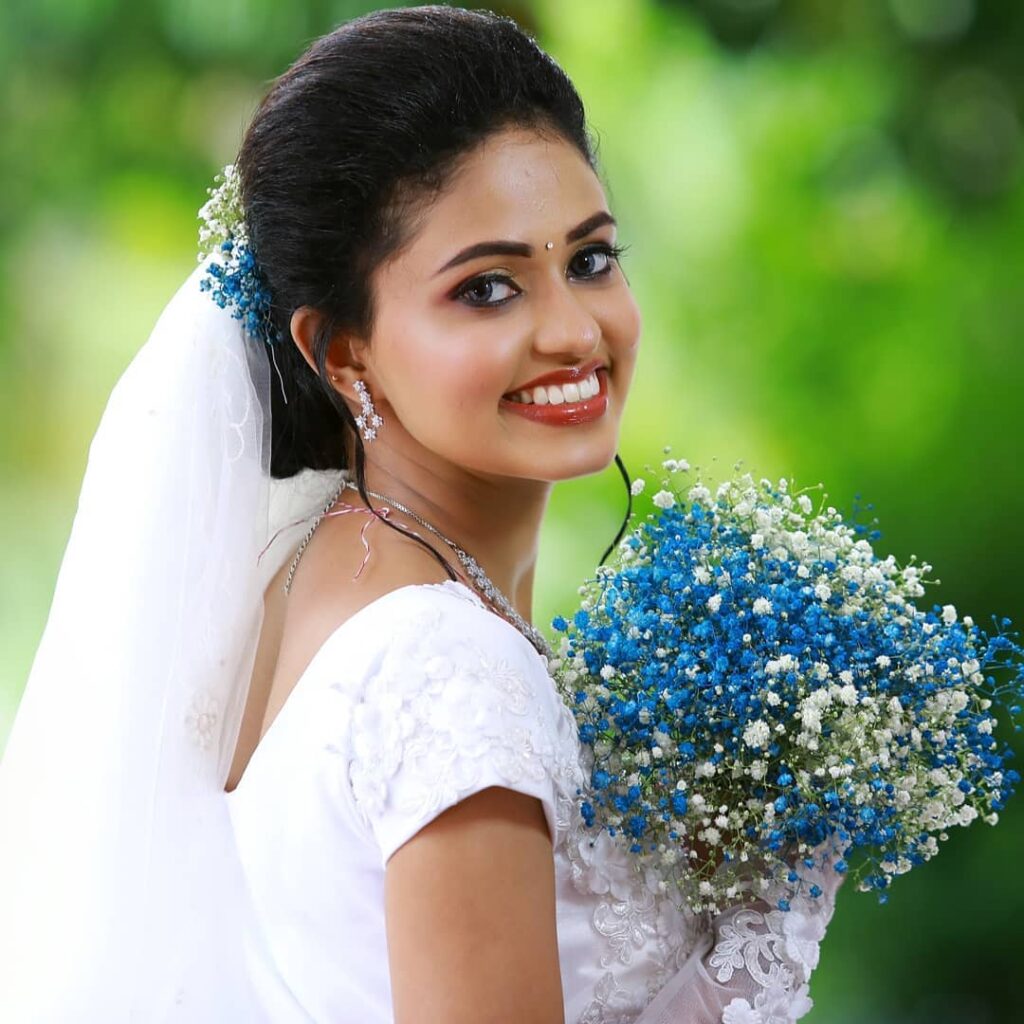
(343, 363)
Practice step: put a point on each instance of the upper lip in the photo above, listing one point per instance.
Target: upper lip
(568, 375)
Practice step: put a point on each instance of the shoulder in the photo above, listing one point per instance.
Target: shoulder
(351, 563)
(352, 560)
(453, 699)
(440, 642)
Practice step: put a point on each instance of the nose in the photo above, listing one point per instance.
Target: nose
(566, 326)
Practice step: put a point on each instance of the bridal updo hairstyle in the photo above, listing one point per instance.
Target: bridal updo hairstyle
(367, 125)
(356, 137)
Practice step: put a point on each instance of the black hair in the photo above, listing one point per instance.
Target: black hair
(369, 123)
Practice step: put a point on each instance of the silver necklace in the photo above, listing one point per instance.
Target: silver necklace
(469, 563)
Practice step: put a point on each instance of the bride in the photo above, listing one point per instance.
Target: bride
(289, 750)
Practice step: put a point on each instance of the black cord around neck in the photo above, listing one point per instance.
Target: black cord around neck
(629, 508)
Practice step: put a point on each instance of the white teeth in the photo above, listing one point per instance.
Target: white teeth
(554, 394)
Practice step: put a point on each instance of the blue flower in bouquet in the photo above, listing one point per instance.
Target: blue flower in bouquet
(756, 693)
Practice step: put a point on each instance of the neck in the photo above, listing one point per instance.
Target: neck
(497, 520)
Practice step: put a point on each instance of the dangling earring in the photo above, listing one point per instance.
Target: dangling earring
(368, 421)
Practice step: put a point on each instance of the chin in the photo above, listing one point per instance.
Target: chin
(585, 461)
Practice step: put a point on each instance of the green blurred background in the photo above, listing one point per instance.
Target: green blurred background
(824, 205)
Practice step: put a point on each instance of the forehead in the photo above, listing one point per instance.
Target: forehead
(516, 185)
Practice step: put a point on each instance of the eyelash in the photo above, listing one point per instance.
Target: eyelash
(613, 252)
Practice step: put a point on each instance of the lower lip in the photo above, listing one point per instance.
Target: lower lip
(566, 414)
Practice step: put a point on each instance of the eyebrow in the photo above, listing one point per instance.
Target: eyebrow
(505, 247)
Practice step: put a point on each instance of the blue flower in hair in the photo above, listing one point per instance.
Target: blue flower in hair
(233, 279)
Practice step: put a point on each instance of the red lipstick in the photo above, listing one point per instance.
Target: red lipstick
(564, 414)
(567, 375)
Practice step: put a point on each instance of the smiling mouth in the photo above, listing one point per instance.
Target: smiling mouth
(555, 404)
(557, 394)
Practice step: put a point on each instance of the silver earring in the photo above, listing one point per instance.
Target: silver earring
(368, 421)
(549, 245)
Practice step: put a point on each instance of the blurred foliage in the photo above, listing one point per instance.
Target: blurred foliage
(824, 205)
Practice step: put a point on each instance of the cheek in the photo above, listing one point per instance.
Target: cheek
(622, 327)
(627, 324)
(453, 380)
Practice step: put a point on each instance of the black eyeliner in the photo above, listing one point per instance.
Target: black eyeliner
(610, 249)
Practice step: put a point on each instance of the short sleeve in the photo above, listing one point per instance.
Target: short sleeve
(457, 701)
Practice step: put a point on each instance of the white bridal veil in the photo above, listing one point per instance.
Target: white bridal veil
(120, 895)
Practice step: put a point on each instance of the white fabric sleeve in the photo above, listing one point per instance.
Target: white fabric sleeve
(755, 965)
(458, 701)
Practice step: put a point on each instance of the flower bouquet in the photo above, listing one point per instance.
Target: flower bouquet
(758, 698)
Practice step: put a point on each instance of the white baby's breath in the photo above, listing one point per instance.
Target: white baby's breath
(779, 700)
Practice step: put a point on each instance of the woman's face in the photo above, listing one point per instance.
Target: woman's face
(480, 304)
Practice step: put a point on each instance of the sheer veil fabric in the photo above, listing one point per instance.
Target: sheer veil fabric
(122, 897)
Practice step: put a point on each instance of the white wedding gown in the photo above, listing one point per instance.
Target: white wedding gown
(420, 699)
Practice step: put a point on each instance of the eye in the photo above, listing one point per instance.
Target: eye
(478, 292)
(596, 260)
(481, 291)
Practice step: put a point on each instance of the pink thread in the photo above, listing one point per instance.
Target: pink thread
(362, 530)
(305, 519)
(344, 509)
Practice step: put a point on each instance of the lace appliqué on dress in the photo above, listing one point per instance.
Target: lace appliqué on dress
(646, 938)
(442, 707)
(761, 958)
(770, 954)
(756, 942)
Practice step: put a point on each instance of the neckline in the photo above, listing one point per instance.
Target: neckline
(329, 641)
